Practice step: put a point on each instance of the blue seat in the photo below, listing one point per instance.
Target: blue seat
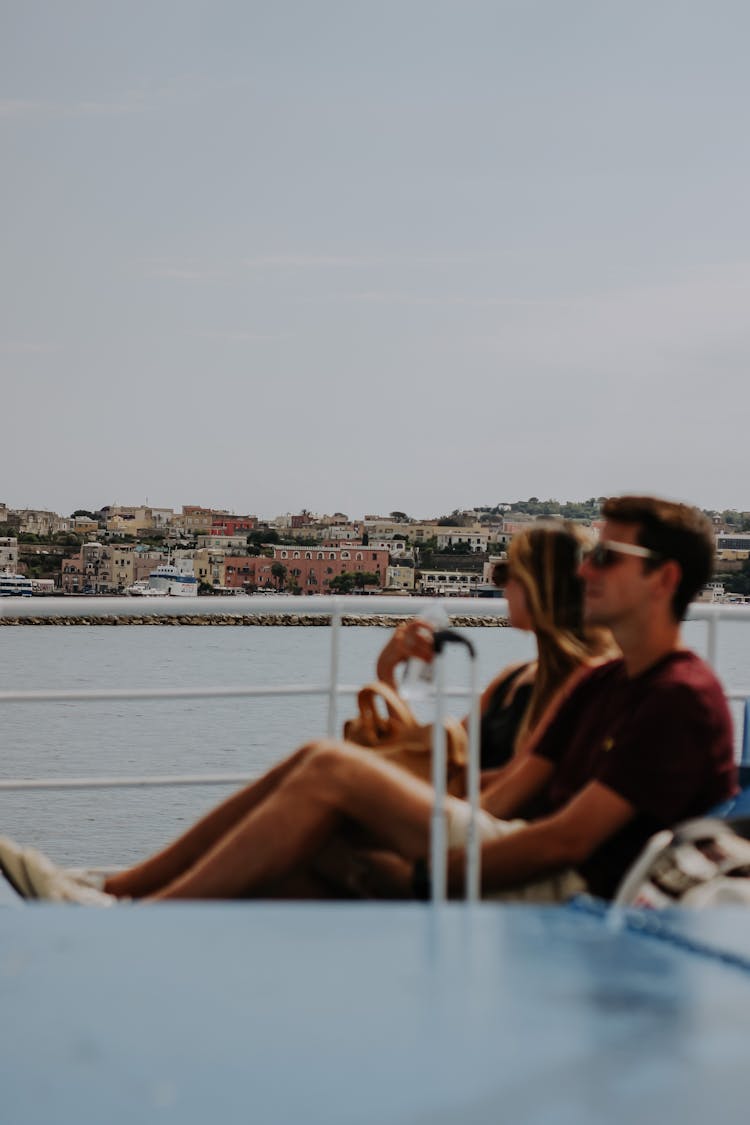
(738, 806)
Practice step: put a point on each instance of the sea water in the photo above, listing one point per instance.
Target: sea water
(229, 736)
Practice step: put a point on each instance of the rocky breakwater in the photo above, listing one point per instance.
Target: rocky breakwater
(382, 620)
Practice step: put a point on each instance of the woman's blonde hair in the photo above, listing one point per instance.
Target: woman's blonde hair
(544, 559)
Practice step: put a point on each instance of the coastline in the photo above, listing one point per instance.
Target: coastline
(380, 620)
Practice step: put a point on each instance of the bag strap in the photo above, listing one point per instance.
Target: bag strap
(398, 710)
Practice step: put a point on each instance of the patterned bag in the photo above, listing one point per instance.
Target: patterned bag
(701, 863)
(398, 737)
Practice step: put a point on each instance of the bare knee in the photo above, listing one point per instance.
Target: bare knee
(325, 764)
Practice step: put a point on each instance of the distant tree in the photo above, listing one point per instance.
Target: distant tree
(348, 582)
(737, 582)
(278, 570)
(401, 517)
(84, 512)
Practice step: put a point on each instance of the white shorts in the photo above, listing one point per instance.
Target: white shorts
(550, 888)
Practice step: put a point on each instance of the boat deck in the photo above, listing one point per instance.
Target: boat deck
(359, 1013)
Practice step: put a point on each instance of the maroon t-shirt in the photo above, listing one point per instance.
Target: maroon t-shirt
(662, 740)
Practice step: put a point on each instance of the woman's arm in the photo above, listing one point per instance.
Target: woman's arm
(412, 638)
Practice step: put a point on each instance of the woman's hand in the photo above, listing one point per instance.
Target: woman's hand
(412, 638)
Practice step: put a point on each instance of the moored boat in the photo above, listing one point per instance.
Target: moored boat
(15, 585)
(175, 578)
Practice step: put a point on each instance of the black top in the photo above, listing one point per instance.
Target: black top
(501, 720)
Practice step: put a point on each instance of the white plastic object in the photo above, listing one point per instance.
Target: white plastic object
(418, 681)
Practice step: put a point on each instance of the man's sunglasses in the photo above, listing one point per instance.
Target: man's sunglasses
(608, 553)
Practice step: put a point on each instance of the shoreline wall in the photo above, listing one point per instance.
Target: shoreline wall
(382, 620)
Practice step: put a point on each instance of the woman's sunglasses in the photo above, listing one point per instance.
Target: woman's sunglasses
(609, 553)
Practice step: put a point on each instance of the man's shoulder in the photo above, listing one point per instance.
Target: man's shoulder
(595, 678)
(685, 684)
(683, 670)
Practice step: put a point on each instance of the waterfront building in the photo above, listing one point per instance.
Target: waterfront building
(233, 525)
(215, 542)
(146, 559)
(194, 520)
(209, 563)
(313, 568)
(239, 572)
(396, 548)
(399, 577)
(33, 521)
(733, 541)
(416, 531)
(87, 572)
(123, 520)
(100, 568)
(8, 553)
(475, 538)
(83, 525)
(447, 583)
(712, 592)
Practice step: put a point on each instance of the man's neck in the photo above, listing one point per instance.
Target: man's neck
(642, 648)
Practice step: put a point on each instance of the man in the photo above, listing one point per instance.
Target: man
(640, 744)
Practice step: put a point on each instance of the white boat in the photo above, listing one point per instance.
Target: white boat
(175, 578)
(141, 590)
(15, 585)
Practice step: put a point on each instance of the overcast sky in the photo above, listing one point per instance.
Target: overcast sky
(366, 256)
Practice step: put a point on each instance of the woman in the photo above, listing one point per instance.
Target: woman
(279, 834)
(544, 595)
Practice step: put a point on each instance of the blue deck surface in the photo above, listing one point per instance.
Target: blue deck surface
(370, 1014)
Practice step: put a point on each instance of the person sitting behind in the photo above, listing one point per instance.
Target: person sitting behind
(545, 596)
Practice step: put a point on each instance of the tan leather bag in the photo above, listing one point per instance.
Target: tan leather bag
(386, 725)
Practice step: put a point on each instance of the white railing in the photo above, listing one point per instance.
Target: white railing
(336, 608)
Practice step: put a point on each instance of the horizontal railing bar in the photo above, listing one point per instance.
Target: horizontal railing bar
(17, 784)
(103, 695)
(285, 604)
(96, 695)
(109, 695)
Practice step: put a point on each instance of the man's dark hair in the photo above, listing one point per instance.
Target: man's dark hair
(673, 531)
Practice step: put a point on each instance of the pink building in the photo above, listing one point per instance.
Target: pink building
(311, 567)
(314, 567)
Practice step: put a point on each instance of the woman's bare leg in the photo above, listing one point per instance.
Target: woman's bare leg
(334, 785)
(162, 868)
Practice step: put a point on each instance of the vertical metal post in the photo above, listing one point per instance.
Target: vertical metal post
(711, 644)
(473, 870)
(334, 669)
(438, 862)
(745, 759)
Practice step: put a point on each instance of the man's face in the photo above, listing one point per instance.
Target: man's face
(618, 592)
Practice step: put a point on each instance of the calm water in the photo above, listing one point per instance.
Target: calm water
(203, 736)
